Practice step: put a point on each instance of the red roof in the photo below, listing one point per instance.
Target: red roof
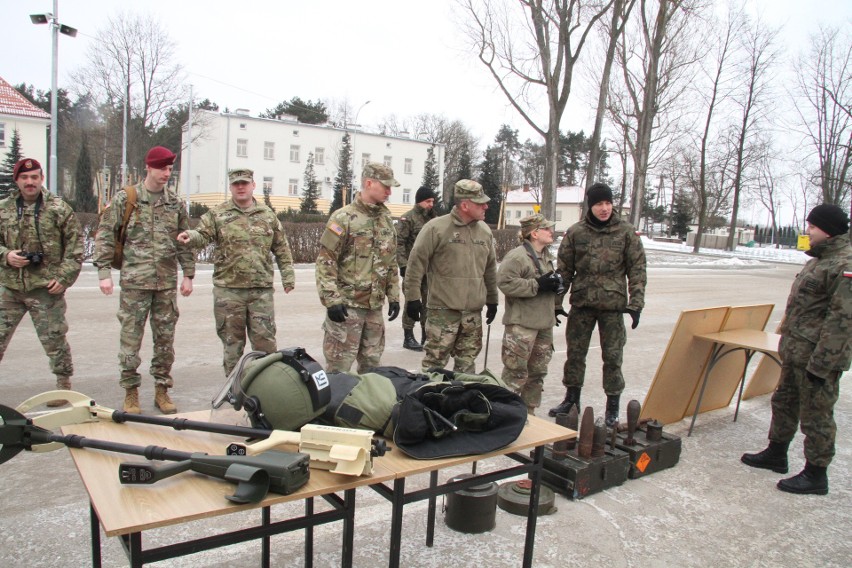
(14, 103)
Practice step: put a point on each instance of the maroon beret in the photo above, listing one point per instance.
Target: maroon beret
(25, 165)
(159, 157)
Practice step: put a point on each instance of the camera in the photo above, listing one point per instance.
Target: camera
(560, 286)
(35, 258)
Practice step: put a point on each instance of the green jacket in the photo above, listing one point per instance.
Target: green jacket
(151, 251)
(59, 237)
(407, 229)
(459, 262)
(602, 265)
(356, 264)
(817, 327)
(244, 239)
(516, 278)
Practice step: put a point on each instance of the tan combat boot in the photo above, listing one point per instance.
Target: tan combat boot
(162, 400)
(131, 401)
(62, 383)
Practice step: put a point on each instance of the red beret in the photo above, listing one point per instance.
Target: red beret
(159, 157)
(25, 165)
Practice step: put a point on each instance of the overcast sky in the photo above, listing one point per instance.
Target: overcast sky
(405, 56)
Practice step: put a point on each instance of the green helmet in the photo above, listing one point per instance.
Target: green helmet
(283, 390)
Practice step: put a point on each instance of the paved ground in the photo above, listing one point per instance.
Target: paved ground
(709, 510)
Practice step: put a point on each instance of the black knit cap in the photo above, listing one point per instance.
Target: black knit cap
(598, 192)
(424, 193)
(830, 218)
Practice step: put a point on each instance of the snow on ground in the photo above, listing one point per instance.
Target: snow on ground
(743, 257)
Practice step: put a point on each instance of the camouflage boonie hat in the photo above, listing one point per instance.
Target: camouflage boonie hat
(241, 174)
(469, 189)
(533, 222)
(379, 172)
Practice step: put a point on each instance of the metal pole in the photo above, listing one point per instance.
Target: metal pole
(124, 126)
(187, 176)
(54, 105)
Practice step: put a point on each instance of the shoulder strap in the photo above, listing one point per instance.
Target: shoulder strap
(534, 256)
(129, 206)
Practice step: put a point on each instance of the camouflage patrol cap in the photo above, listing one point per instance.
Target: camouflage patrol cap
(469, 189)
(240, 174)
(379, 172)
(533, 222)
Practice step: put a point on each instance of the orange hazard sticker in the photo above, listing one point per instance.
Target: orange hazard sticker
(643, 462)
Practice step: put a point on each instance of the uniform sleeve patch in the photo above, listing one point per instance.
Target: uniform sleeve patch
(335, 228)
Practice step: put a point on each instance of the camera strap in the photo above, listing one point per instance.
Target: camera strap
(534, 256)
(36, 215)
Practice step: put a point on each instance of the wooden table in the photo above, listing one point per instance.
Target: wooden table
(128, 510)
(750, 342)
(535, 436)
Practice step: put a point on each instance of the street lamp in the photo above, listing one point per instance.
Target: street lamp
(56, 28)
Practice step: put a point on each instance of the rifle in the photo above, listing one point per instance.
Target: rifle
(255, 476)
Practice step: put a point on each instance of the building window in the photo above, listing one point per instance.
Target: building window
(364, 159)
(2, 135)
(294, 153)
(406, 195)
(508, 217)
(242, 126)
(559, 215)
(319, 156)
(387, 161)
(518, 214)
(269, 150)
(242, 148)
(267, 186)
(293, 187)
(409, 165)
(295, 134)
(530, 212)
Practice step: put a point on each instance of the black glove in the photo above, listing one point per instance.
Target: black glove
(634, 315)
(337, 313)
(560, 312)
(414, 309)
(547, 282)
(490, 313)
(402, 271)
(393, 310)
(817, 381)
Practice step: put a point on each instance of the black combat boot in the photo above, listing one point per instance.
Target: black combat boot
(773, 457)
(572, 396)
(812, 480)
(410, 342)
(612, 410)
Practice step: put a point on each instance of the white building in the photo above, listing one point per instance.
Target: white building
(277, 150)
(17, 113)
(569, 205)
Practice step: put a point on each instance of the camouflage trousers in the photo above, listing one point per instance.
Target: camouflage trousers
(578, 333)
(241, 311)
(133, 310)
(526, 354)
(48, 314)
(361, 337)
(801, 402)
(451, 333)
(407, 322)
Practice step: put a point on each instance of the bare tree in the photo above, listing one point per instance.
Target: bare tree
(531, 49)
(767, 190)
(760, 54)
(824, 102)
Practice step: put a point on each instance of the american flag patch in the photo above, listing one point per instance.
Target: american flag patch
(847, 274)
(335, 228)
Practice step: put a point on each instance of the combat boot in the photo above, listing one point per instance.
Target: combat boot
(62, 383)
(774, 457)
(423, 334)
(162, 400)
(131, 401)
(572, 396)
(410, 342)
(812, 480)
(612, 410)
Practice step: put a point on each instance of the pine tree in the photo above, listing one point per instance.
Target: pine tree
(491, 180)
(85, 200)
(343, 179)
(431, 179)
(7, 184)
(267, 193)
(310, 192)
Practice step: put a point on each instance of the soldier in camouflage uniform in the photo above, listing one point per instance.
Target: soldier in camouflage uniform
(356, 270)
(456, 254)
(148, 276)
(603, 261)
(244, 233)
(815, 350)
(407, 229)
(528, 281)
(34, 221)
